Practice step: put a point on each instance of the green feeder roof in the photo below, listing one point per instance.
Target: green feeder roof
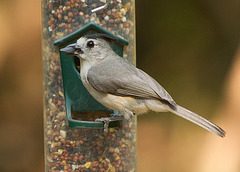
(90, 28)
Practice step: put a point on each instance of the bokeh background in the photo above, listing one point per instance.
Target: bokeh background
(190, 47)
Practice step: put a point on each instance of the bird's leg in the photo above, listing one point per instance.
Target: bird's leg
(107, 120)
(128, 114)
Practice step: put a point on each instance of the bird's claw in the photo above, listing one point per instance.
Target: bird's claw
(117, 116)
(107, 120)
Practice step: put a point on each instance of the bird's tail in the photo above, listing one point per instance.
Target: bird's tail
(184, 113)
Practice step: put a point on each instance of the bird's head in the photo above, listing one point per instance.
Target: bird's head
(91, 47)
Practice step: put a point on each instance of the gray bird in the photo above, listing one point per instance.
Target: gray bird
(120, 86)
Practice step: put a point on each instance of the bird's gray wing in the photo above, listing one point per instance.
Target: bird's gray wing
(119, 77)
(161, 92)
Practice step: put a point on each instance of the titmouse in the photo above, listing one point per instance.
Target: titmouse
(119, 85)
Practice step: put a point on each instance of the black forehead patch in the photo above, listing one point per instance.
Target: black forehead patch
(106, 37)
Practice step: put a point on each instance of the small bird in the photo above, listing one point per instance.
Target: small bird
(120, 86)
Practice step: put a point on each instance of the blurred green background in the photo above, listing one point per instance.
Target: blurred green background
(190, 47)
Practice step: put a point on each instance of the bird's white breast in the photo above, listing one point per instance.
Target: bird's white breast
(103, 98)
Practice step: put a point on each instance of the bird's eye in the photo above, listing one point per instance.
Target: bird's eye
(90, 44)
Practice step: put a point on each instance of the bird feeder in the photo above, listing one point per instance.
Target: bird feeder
(73, 140)
(77, 98)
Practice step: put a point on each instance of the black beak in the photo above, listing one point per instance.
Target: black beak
(72, 50)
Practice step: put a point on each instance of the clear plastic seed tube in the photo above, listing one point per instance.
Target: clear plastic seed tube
(83, 149)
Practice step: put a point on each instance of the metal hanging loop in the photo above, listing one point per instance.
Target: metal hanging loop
(101, 7)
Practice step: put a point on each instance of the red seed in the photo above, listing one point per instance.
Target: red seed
(49, 23)
(80, 158)
(95, 163)
(59, 16)
(67, 3)
(50, 6)
(70, 14)
(52, 26)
